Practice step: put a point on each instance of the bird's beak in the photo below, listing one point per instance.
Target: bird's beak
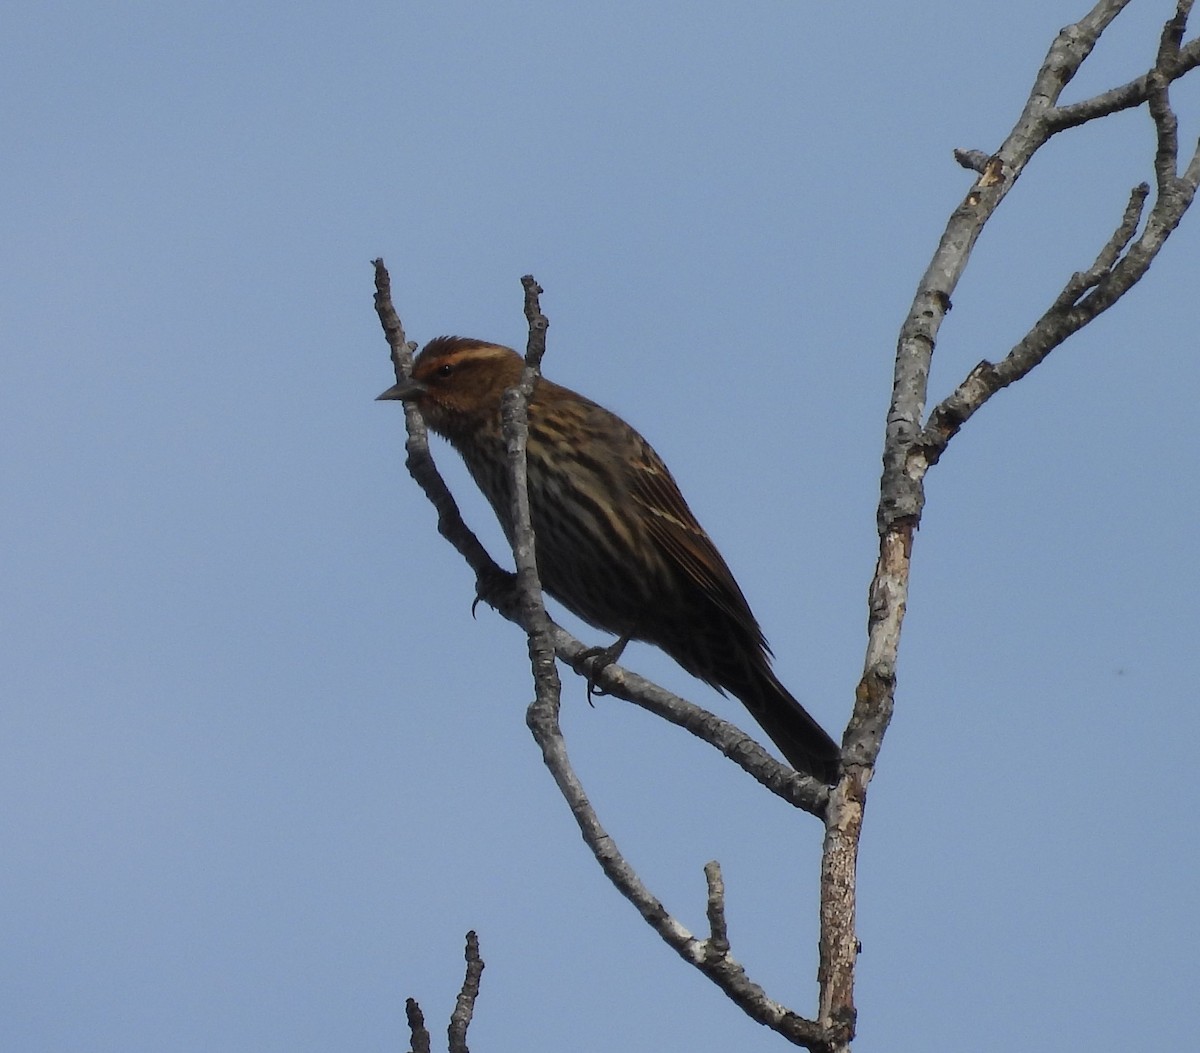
(403, 391)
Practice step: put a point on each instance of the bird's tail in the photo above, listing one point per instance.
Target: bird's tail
(803, 742)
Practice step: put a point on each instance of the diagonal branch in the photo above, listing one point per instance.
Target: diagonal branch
(710, 956)
(490, 577)
(1182, 60)
(1061, 320)
(1117, 268)
(800, 791)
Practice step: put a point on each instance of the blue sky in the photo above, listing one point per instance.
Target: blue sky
(260, 769)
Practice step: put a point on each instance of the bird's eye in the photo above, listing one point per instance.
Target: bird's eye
(445, 369)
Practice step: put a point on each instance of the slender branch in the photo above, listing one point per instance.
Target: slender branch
(706, 955)
(533, 616)
(801, 791)
(718, 931)
(393, 329)
(1084, 281)
(420, 1038)
(464, 1007)
(490, 578)
(710, 956)
(1137, 91)
(1061, 320)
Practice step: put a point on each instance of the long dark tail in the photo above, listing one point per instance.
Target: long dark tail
(800, 739)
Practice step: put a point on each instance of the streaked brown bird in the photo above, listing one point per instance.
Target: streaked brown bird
(616, 542)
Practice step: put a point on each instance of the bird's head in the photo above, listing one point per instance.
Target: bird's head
(457, 383)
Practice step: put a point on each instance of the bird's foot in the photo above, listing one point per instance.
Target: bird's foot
(599, 659)
(496, 588)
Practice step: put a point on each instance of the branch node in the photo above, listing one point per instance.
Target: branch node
(717, 944)
(538, 322)
(975, 160)
(991, 175)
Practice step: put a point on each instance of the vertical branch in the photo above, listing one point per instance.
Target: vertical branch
(514, 414)
(907, 458)
(464, 1007)
(535, 347)
(419, 1039)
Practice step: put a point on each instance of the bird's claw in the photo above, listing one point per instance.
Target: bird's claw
(599, 659)
(493, 588)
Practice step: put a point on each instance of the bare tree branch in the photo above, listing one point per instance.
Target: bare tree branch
(911, 447)
(718, 931)
(976, 160)
(533, 616)
(711, 956)
(1060, 321)
(1117, 268)
(420, 1039)
(801, 791)
(1128, 96)
(490, 578)
(705, 955)
(464, 1007)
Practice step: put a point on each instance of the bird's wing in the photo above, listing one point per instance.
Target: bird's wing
(674, 527)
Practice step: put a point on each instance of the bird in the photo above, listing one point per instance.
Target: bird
(615, 541)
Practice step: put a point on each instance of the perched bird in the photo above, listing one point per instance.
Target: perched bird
(616, 542)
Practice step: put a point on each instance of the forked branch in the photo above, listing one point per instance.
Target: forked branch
(519, 599)
(913, 444)
(464, 1008)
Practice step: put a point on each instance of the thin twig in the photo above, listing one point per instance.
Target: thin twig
(420, 1039)
(490, 578)
(721, 969)
(718, 931)
(514, 415)
(543, 720)
(797, 789)
(1059, 322)
(975, 160)
(464, 1007)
